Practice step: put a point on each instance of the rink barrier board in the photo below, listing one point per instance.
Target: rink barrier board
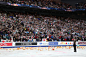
(41, 44)
(38, 46)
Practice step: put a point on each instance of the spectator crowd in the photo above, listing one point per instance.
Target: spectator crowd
(50, 4)
(47, 4)
(42, 3)
(26, 28)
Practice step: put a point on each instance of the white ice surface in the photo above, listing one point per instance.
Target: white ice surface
(45, 53)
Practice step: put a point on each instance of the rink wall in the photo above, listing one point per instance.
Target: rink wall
(39, 44)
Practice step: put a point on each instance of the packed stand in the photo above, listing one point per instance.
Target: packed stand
(42, 3)
(48, 4)
(80, 5)
(26, 28)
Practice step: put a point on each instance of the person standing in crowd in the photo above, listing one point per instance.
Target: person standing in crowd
(74, 44)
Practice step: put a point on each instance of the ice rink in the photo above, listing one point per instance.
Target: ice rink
(43, 52)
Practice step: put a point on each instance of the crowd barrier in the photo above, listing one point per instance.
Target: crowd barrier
(39, 44)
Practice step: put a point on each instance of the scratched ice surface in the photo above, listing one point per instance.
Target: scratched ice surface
(43, 53)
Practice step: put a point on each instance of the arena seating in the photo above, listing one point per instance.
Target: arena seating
(47, 4)
(25, 28)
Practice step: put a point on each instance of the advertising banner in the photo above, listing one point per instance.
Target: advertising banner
(82, 43)
(42, 43)
(65, 43)
(53, 43)
(5, 44)
(25, 44)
